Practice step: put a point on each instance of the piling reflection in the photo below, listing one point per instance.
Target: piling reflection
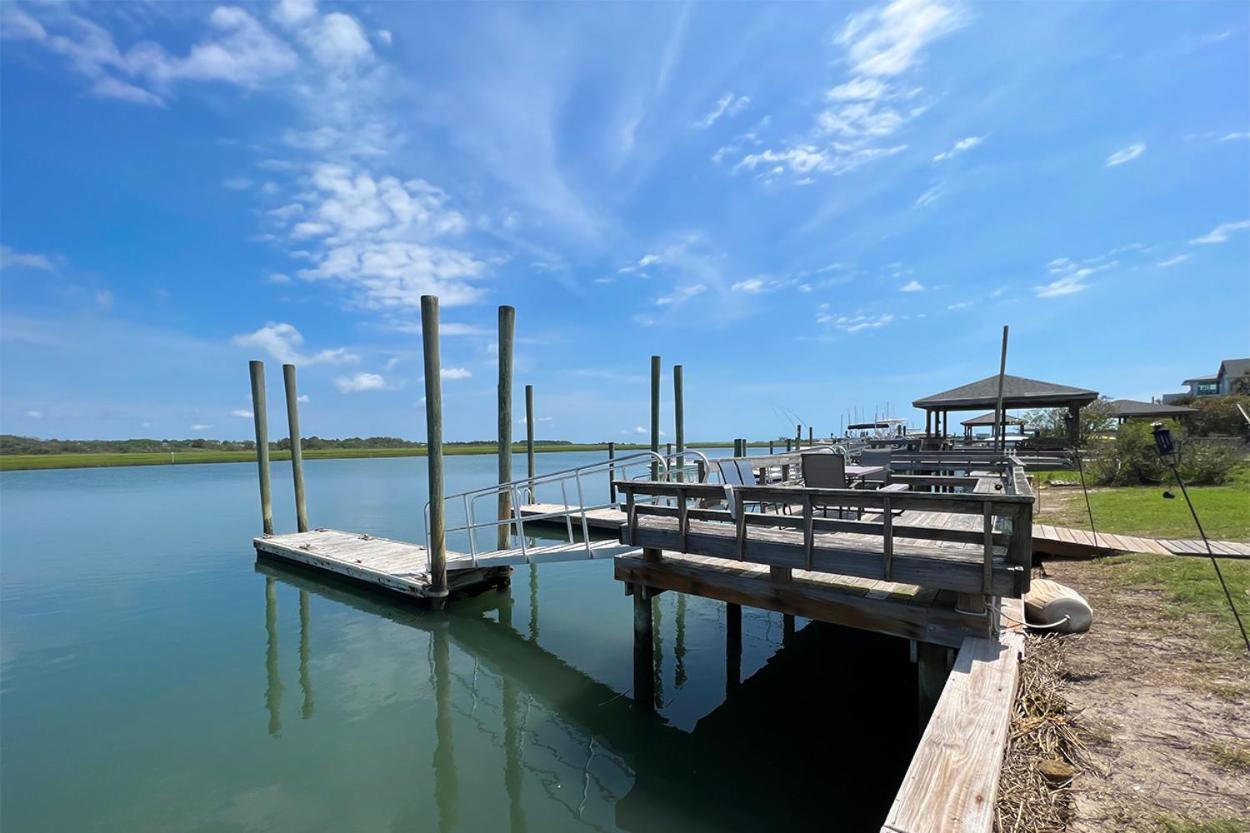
(305, 680)
(810, 730)
(273, 684)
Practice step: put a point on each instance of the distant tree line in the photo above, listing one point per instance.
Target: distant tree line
(13, 444)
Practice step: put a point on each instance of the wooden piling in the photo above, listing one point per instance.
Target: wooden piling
(507, 328)
(655, 413)
(811, 437)
(434, 447)
(305, 654)
(644, 650)
(931, 672)
(529, 438)
(733, 647)
(297, 446)
(787, 628)
(1000, 432)
(798, 437)
(257, 370)
(612, 473)
(273, 682)
(679, 421)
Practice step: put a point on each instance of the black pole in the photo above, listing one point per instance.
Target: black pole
(1218, 573)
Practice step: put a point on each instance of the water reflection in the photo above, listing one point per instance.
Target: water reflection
(814, 734)
(273, 685)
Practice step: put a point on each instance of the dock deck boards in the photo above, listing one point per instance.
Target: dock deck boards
(404, 567)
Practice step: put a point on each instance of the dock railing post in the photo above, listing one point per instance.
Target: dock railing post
(529, 438)
(507, 327)
(257, 370)
(655, 414)
(679, 422)
(297, 449)
(798, 437)
(434, 447)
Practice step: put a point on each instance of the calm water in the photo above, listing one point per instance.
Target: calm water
(154, 677)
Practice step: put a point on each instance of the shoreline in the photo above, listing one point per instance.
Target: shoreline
(36, 462)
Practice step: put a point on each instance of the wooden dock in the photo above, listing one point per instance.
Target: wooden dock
(1047, 539)
(404, 568)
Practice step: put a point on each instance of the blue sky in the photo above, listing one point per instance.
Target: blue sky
(811, 207)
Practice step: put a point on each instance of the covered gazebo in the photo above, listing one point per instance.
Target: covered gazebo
(987, 421)
(1017, 392)
(1125, 409)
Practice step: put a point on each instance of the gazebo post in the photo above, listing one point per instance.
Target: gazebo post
(1074, 426)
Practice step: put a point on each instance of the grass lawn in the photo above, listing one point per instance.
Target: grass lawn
(1142, 510)
(1192, 590)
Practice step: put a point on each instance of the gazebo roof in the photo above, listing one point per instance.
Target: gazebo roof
(1018, 392)
(988, 420)
(1132, 408)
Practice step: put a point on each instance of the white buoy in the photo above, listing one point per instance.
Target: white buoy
(1055, 607)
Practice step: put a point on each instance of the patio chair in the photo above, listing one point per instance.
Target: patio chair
(737, 471)
(826, 471)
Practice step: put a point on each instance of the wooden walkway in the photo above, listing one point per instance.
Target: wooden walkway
(1047, 539)
(404, 568)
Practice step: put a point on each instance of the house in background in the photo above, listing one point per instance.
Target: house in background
(1233, 377)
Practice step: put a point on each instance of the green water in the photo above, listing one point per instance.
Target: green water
(155, 677)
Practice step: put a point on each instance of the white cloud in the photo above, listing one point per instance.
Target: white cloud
(887, 40)
(10, 259)
(1070, 275)
(803, 159)
(1127, 154)
(852, 323)
(958, 306)
(727, 105)
(1061, 287)
(338, 41)
(1172, 261)
(752, 286)
(965, 144)
(1236, 136)
(303, 397)
(241, 413)
(377, 236)
(682, 293)
(861, 89)
(912, 286)
(360, 382)
(34, 414)
(294, 12)
(283, 342)
(1220, 233)
(931, 196)
(200, 426)
(453, 373)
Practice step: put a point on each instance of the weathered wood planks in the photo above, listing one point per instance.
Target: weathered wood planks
(952, 782)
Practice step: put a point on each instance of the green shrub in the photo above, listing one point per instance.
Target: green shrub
(1131, 460)
(1218, 416)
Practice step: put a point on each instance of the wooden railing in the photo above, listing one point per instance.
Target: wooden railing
(790, 540)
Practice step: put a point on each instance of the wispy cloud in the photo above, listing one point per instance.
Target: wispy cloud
(852, 323)
(1070, 275)
(727, 105)
(241, 413)
(1172, 261)
(962, 146)
(681, 294)
(10, 259)
(453, 373)
(360, 382)
(930, 196)
(912, 286)
(888, 40)
(283, 341)
(1127, 154)
(1220, 233)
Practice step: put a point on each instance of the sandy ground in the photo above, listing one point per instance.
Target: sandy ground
(1158, 710)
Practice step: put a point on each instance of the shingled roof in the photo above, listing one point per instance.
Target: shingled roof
(988, 419)
(1132, 408)
(1018, 392)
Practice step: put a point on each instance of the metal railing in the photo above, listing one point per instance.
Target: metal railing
(637, 466)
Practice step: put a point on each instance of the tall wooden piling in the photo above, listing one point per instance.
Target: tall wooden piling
(257, 370)
(1000, 430)
(529, 438)
(679, 421)
(811, 437)
(507, 327)
(655, 413)
(798, 437)
(434, 447)
(297, 446)
(931, 671)
(611, 473)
